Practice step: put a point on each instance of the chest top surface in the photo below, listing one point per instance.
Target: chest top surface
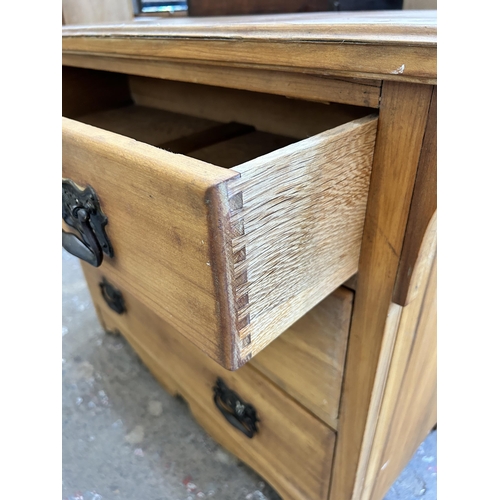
(388, 45)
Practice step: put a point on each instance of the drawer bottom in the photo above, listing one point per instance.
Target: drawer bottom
(291, 449)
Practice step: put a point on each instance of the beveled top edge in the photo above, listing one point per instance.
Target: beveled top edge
(404, 27)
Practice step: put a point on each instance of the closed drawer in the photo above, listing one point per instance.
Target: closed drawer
(231, 257)
(307, 360)
(291, 449)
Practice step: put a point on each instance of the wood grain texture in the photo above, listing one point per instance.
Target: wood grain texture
(149, 125)
(402, 121)
(267, 113)
(384, 359)
(310, 87)
(307, 361)
(96, 11)
(415, 413)
(287, 432)
(230, 265)
(160, 208)
(396, 45)
(408, 410)
(297, 218)
(206, 138)
(241, 149)
(423, 207)
(373, 27)
(88, 91)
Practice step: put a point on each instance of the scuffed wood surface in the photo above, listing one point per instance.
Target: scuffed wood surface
(297, 220)
(368, 27)
(398, 45)
(293, 450)
(307, 361)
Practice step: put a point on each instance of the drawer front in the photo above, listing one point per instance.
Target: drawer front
(230, 257)
(291, 449)
(307, 360)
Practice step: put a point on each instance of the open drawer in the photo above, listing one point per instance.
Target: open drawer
(228, 232)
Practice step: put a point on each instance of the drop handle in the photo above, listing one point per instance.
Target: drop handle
(82, 212)
(91, 251)
(239, 414)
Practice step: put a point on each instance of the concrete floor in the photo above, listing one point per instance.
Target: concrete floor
(125, 438)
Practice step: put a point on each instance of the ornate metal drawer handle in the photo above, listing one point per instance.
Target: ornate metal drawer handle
(239, 414)
(81, 210)
(112, 296)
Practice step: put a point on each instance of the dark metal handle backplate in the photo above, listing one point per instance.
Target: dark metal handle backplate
(239, 414)
(81, 211)
(112, 296)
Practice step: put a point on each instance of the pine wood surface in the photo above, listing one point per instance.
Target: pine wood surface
(149, 125)
(397, 45)
(423, 208)
(160, 226)
(230, 265)
(292, 450)
(408, 409)
(307, 361)
(418, 28)
(267, 113)
(415, 413)
(402, 120)
(297, 219)
(294, 85)
(241, 149)
(377, 395)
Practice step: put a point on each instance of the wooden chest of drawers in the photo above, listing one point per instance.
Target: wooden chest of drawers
(223, 180)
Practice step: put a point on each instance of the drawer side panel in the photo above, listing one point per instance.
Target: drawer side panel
(297, 220)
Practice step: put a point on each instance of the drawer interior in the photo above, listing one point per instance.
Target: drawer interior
(224, 127)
